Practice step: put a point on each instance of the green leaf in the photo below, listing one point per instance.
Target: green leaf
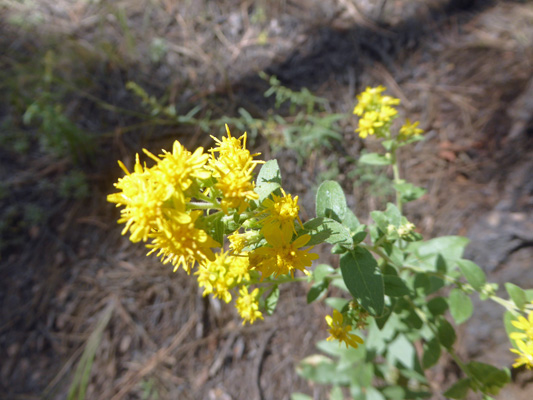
(517, 294)
(431, 353)
(321, 369)
(268, 180)
(473, 274)
(330, 201)
(437, 306)
(374, 159)
(446, 333)
(508, 317)
(459, 389)
(350, 221)
(488, 375)
(363, 279)
(395, 286)
(408, 191)
(337, 303)
(439, 254)
(402, 351)
(271, 301)
(321, 271)
(329, 231)
(316, 290)
(460, 306)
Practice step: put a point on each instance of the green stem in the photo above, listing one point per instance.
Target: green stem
(397, 178)
(203, 206)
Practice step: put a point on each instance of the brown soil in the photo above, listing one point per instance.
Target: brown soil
(463, 68)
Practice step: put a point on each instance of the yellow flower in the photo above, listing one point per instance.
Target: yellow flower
(238, 241)
(281, 213)
(233, 171)
(143, 197)
(525, 353)
(409, 129)
(282, 257)
(341, 332)
(525, 325)
(179, 167)
(368, 124)
(233, 153)
(237, 188)
(371, 100)
(222, 274)
(376, 112)
(178, 241)
(248, 306)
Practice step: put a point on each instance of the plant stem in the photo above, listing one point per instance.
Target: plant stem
(397, 178)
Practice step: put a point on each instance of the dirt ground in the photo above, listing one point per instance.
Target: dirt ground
(463, 68)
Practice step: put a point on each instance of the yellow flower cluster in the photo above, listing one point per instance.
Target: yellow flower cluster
(376, 112)
(187, 203)
(340, 331)
(524, 341)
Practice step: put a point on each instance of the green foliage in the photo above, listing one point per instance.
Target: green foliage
(394, 279)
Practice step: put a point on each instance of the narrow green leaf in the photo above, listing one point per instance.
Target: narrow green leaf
(330, 201)
(517, 294)
(431, 353)
(473, 274)
(446, 333)
(460, 306)
(364, 280)
(459, 389)
(374, 159)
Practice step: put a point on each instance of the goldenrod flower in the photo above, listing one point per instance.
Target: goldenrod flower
(181, 243)
(237, 188)
(339, 331)
(222, 274)
(409, 129)
(233, 153)
(525, 353)
(282, 257)
(368, 124)
(248, 305)
(376, 112)
(238, 241)
(143, 197)
(371, 100)
(281, 213)
(526, 325)
(233, 170)
(179, 167)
